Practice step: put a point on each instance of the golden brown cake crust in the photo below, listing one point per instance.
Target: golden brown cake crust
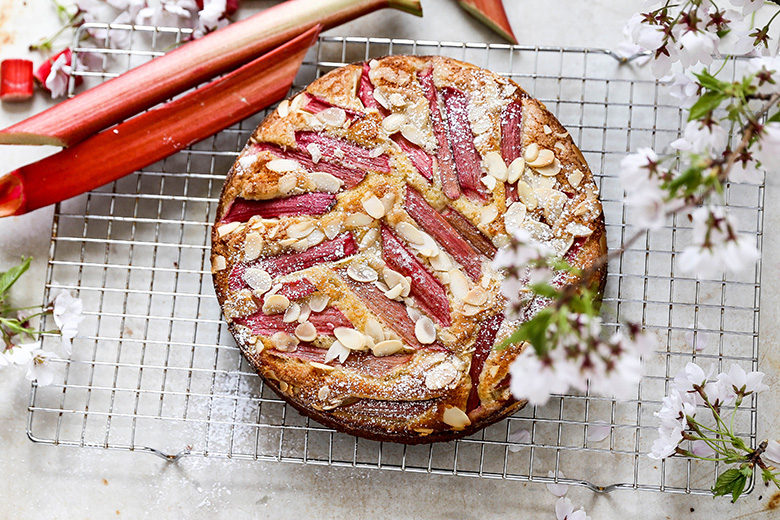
(358, 151)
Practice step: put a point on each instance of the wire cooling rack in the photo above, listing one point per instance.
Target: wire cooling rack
(155, 370)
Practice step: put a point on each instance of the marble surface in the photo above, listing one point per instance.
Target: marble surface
(50, 482)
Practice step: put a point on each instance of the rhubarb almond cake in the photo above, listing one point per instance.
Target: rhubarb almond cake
(353, 241)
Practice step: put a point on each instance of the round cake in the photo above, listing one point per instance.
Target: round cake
(353, 241)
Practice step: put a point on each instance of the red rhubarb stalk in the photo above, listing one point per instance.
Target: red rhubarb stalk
(191, 64)
(348, 154)
(470, 232)
(241, 210)
(426, 289)
(350, 176)
(447, 174)
(442, 231)
(486, 338)
(158, 133)
(492, 14)
(467, 160)
(419, 157)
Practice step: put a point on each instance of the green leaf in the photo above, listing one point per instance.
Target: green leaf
(775, 118)
(543, 289)
(8, 278)
(710, 82)
(730, 481)
(706, 104)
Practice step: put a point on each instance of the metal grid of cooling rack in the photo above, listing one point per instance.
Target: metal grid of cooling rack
(155, 370)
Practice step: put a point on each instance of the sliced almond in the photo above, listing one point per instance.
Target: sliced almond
(441, 262)
(395, 292)
(526, 195)
(331, 225)
(575, 178)
(300, 245)
(283, 165)
(314, 238)
(531, 152)
(362, 272)
(315, 151)
(387, 347)
(393, 123)
(320, 366)
(553, 202)
(477, 296)
(424, 330)
(218, 263)
(326, 182)
(578, 230)
(547, 129)
(514, 217)
(455, 417)
(488, 214)
(226, 229)
(306, 331)
(318, 302)
(253, 246)
(369, 239)
(292, 313)
(459, 286)
(284, 342)
(332, 116)
(300, 229)
(374, 330)
(539, 231)
(258, 279)
(287, 183)
(496, 166)
(394, 278)
(377, 151)
(410, 233)
(337, 350)
(357, 220)
(489, 181)
(381, 99)
(515, 170)
(324, 392)
(284, 386)
(374, 207)
(396, 99)
(413, 134)
(297, 102)
(429, 248)
(288, 242)
(304, 314)
(471, 310)
(550, 170)
(545, 157)
(561, 245)
(350, 338)
(283, 109)
(440, 376)
(388, 199)
(275, 304)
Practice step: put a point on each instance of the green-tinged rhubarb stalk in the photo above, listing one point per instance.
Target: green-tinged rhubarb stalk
(75, 119)
(155, 134)
(492, 14)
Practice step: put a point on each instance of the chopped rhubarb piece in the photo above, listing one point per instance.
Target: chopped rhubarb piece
(426, 289)
(396, 410)
(472, 235)
(467, 160)
(315, 105)
(419, 157)
(492, 14)
(324, 322)
(350, 176)
(241, 210)
(366, 89)
(297, 289)
(512, 131)
(486, 338)
(344, 152)
(442, 231)
(447, 174)
(16, 80)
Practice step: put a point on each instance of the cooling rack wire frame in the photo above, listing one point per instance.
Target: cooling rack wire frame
(155, 370)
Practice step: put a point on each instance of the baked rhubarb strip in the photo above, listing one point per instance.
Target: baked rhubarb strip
(512, 131)
(486, 338)
(444, 159)
(358, 361)
(390, 410)
(155, 134)
(348, 154)
(315, 105)
(426, 289)
(470, 232)
(297, 289)
(241, 210)
(442, 231)
(73, 120)
(492, 14)
(268, 325)
(419, 157)
(350, 176)
(328, 251)
(468, 162)
(366, 89)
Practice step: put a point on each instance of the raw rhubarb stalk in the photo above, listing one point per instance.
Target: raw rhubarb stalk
(158, 133)
(512, 131)
(16, 80)
(348, 154)
(486, 338)
(442, 231)
(447, 173)
(426, 289)
(216, 53)
(241, 210)
(419, 157)
(265, 325)
(492, 14)
(468, 163)
(350, 176)
(470, 232)
(316, 105)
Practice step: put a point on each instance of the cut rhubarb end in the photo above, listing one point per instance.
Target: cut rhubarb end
(11, 195)
(161, 132)
(444, 233)
(468, 162)
(348, 154)
(512, 131)
(486, 338)
(426, 289)
(447, 173)
(350, 176)
(16, 80)
(419, 157)
(472, 235)
(492, 14)
(218, 52)
(241, 210)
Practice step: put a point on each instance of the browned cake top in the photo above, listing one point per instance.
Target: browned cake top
(353, 243)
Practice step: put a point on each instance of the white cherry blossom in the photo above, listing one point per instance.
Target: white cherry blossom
(557, 489)
(768, 151)
(564, 510)
(697, 47)
(739, 382)
(41, 368)
(748, 6)
(772, 451)
(68, 314)
(700, 138)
